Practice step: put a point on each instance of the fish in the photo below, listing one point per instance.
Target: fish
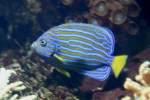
(84, 48)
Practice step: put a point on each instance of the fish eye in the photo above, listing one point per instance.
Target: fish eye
(43, 43)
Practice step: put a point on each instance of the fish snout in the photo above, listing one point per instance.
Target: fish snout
(33, 45)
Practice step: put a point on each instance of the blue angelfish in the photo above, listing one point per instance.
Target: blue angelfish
(85, 48)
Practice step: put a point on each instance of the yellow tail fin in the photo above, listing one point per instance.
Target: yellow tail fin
(118, 64)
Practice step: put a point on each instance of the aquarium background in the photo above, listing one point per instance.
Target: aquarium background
(23, 21)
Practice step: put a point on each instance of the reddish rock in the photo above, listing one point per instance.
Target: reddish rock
(115, 94)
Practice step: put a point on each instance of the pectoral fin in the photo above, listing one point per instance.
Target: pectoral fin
(58, 57)
(61, 70)
(64, 72)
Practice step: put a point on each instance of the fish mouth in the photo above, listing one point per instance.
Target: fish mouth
(33, 45)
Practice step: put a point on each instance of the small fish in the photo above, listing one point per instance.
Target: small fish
(85, 48)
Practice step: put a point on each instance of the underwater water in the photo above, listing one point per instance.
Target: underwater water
(23, 21)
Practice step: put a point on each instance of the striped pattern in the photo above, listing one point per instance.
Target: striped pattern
(88, 43)
(100, 73)
(99, 34)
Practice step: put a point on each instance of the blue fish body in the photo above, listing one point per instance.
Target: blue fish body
(89, 48)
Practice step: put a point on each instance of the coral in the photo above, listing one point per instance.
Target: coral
(35, 79)
(5, 79)
(115, 13)
(141, 87)
(7, 89)
(126, 98)
(144, 74)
